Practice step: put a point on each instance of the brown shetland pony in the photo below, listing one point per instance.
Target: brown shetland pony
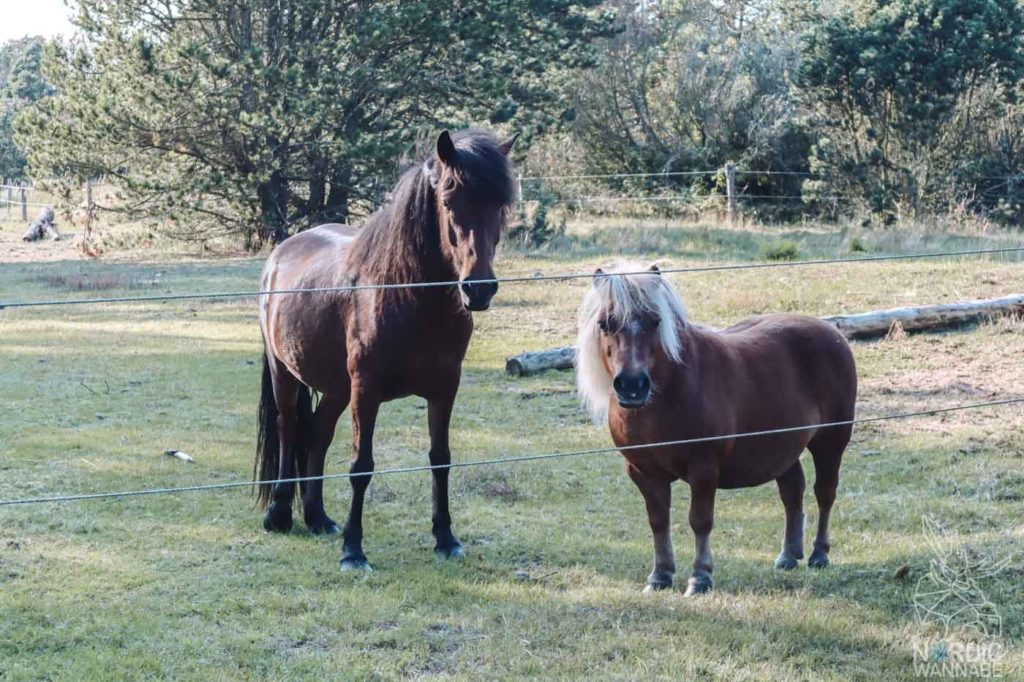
(656, 377)
(370, 346)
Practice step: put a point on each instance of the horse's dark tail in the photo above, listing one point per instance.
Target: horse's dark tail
(267, 465)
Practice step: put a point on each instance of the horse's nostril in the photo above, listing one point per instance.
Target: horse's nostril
(617, 384)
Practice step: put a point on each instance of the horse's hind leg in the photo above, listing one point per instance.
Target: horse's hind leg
(286, 395)
(325, 419)
(365, 405)
(791, 490)
(827, 448)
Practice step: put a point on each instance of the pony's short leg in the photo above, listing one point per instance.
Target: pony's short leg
(703, 485)
(365, 404)
(439, 413)
(657, 494)
(324, 422)
(827, 450)
(791, 490)
(286, 392)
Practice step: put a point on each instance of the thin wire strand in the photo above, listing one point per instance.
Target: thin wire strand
(500, 280)
(598, 176)
(684, 197)
(497, 461)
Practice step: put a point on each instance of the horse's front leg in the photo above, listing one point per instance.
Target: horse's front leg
(365, 404)
(703, 485)
(657, 494)
(439, 413)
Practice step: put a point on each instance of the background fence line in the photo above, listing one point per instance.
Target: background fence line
(503, 280)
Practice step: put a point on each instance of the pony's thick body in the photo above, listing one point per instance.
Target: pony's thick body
(765, 373)
(658, 379)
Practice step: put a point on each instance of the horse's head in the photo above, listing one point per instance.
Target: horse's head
(629, 330)
(475, 189)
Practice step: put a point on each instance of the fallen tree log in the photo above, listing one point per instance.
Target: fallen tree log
(42, 227)
(531, 363)
(870, 325)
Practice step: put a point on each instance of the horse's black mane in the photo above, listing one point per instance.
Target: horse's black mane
(401, 242)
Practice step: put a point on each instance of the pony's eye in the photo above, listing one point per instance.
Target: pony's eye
(603, 324)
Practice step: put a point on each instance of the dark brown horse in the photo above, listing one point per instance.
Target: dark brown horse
(369, 346)
(656, 377)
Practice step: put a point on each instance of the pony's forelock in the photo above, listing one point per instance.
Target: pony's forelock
(622, 296)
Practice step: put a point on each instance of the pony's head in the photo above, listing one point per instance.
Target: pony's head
(474, 189)
(628, 324)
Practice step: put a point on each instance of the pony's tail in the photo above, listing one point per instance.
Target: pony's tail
(267, 464)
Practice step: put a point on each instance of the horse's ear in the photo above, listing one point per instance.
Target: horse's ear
(506, 146)
(597, 274)
(655, 269)
(446, 149)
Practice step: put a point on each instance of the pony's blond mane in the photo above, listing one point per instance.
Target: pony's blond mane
(622, 296)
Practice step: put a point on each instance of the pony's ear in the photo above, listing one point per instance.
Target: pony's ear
(446, 149)
(506, 146)
(655, 269)
(598, 274)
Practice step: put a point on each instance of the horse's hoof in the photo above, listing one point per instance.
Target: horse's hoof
(786, 562)
(656, 587)
(818, 559)
(355, 563)
(698, 584)
(450, 552)
(278, 519)
(323, 526)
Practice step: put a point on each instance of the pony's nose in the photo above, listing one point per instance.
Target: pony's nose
(477, 295)
(633, 390)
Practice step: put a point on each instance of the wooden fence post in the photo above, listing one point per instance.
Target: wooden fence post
(24, 203)
(730, 190)
(90, 208)
(10, 199)
(519, 189)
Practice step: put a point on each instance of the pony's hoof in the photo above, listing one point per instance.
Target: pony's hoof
(356, 563)
(818, 559)
(698, 584)
(786, 562)
(278, 519)
(450, 552)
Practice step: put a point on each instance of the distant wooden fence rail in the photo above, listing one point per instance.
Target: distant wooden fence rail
(17, 198)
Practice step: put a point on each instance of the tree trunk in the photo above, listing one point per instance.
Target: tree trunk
(273, 198)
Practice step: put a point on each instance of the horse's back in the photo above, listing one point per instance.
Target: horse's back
(306, 331)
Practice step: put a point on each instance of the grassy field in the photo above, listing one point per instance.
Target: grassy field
(190, 587)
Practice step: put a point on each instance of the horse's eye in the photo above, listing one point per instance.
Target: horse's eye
(653, 322)
(603, 324)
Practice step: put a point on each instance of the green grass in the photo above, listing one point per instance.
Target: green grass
(190, 587)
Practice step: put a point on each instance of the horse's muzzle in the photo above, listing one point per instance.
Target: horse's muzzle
(632, 391)
(476, 296)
